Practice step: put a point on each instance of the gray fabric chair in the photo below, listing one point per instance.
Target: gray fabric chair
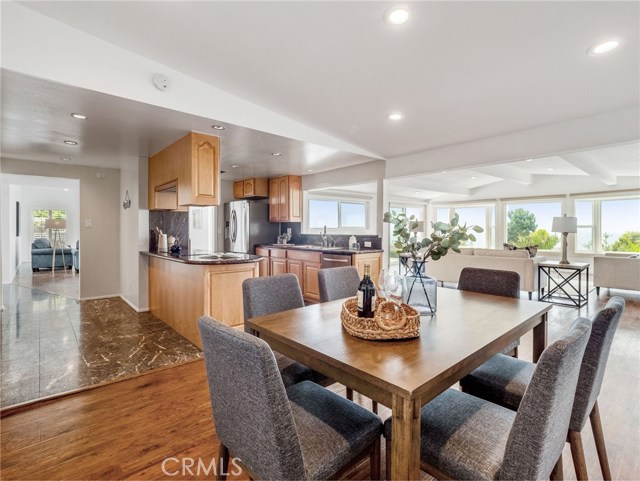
(268, 295)
(503, 380)
(305, 432)
(465, 437)
(338, 283)
(496, 283)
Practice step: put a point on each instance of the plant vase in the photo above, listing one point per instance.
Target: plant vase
(421, 293)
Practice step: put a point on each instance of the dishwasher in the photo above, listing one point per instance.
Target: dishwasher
(335, 260)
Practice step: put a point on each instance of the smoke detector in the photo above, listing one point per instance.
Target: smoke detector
(161, 81)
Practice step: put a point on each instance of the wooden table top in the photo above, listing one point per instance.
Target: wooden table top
(467, 330)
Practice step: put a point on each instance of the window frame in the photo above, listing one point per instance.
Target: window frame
(490, 211)
(48, 230)
(537, 200)
(367, 201)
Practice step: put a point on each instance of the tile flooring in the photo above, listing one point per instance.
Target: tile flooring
(65, 282)
(53, 344)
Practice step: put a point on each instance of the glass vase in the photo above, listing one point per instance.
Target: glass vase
(420, 292)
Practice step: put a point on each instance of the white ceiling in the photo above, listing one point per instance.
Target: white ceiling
(61, 183)
(459, 71)
(36, 119)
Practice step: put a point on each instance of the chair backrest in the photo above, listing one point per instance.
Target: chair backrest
(603, 328)
(540, 427)
(490, 281)
(251, 410)
(338, 283)
(267, 295)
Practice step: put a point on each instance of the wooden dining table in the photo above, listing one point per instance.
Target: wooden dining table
(467, 330)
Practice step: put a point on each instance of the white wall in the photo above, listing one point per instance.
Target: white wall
(11, 250)
(99, 202)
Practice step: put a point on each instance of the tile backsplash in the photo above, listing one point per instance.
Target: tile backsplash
(341, 240)
(171, 223)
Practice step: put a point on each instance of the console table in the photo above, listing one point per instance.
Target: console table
(560, 290)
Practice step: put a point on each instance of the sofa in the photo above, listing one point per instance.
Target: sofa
(76, 256)
(42, 254)
(617, 271)
(448, 268)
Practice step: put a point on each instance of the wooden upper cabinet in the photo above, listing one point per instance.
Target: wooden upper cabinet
(255, 188)
(285, 199)
(192, 163)
(238, 189)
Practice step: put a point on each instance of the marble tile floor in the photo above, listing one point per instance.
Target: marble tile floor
(65, 282)
(53, 344)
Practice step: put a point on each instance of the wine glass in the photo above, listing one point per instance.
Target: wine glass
(390, 285)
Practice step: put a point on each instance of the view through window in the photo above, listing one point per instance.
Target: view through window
(480, 215)
(337, 214)
(39, 220)
(608, 225)
(529, 224)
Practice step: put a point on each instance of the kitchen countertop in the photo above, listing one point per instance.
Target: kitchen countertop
(201, 260)
(324, 250)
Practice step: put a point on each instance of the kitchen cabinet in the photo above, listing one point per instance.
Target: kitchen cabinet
(277, 262)
(185, 173)
(264, 263)
(285, 199)
(374, 259)
(255, 188)
(311, 290)
(294, 266)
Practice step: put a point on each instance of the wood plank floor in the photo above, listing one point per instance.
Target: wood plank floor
(125, 430)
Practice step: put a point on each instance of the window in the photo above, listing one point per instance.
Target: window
(620, 225)
(337, 214)
(39, 221)
(480, 215)
(416, 211)
(530, 224)
(586, 232)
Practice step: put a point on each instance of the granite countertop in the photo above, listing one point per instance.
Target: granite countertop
(205, 259)
(324, 250)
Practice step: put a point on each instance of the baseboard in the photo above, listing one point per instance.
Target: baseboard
(93, 298)
(135, 308)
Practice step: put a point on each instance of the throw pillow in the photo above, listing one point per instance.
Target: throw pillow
(42, 244)
(509, 247)
(533, 250)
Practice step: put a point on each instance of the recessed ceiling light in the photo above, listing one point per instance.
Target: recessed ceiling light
(550, 168)
(66, 159)
(79, 116)
(443, 172)
(66, 190)
(217, 127)
(398, 16)
(234, 166)
(473, 177)
(417, 192)
(529, 160)
(276, 154)
(600, 48)
(396, 116)
(309, 170)
(71, 142)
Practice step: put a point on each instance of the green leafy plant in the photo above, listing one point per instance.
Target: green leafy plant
(444, 236)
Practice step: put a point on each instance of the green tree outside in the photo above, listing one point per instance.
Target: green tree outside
(627, 242)
(521, 223)
(540, 238)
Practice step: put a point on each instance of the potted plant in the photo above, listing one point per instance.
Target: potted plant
(414, 253)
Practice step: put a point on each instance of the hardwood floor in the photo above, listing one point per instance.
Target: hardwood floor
(126, 429)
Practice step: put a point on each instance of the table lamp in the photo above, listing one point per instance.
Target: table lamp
(564, 225)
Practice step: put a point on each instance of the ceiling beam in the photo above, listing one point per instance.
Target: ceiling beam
(445, 188)
(507, 172)
(588, 164)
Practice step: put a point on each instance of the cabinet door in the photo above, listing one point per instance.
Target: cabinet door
(277, 266)
(374, 260)
(294, 266)
(264, 263)
(311, 289)
(283, 199)
(205, 172)
(238, 189)
(249, 188)
(295, 199)
(274, 200)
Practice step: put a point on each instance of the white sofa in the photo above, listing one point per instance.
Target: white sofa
(618, 271)
(448, 268)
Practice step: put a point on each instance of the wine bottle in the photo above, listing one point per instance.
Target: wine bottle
(366, 294)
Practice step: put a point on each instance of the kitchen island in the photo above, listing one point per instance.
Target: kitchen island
(184, 288)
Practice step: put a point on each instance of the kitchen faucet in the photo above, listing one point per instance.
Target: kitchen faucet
(327, 240)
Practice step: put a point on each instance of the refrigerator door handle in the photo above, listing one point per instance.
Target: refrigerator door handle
(234, 226)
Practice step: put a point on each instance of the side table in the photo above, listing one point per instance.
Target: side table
(560, 290)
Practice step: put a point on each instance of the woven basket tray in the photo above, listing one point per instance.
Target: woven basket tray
(391, 321)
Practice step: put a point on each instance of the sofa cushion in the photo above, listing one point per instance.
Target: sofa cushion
(41, 244)
(520, 253)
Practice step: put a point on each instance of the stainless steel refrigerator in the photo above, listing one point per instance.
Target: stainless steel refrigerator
(246, 224)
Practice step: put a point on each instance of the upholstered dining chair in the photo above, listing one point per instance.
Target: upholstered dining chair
(465, 437)
(337, 283)
(262, 296)
(496, 283)
(504, 380)
(305, 432)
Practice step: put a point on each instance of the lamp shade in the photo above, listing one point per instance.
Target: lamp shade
(565, 224)
(55, 223)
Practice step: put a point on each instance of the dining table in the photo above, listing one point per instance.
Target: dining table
(404, 375)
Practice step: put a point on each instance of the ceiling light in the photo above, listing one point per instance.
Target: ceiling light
(396, 116)
(417, 192)
(398, 16)
(66, 159)
(276, 154)
(443, 172)
(234, 166)
(550, 168)
(600, 48)
(309, 170)
(529, 160)
(71, 142)
(473, 177)
(217, 127)
(66, 190)
(79, 116)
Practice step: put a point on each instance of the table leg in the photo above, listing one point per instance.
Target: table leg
(540, 338)
(405, 439)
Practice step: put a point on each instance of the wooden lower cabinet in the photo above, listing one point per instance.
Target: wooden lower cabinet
(294, 266)
(311, 291)
(277, 266)
(374, 259)
(180, 293)
(264, 266)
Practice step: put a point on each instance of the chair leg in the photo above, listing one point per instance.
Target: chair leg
(387, 458)
(515, 352)
(222, 463)
(530, 295)
(350, 394)
(374, 407)
(577, 453)
(596, 427)
(597, 291)
(374, 460)
(557, 474)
